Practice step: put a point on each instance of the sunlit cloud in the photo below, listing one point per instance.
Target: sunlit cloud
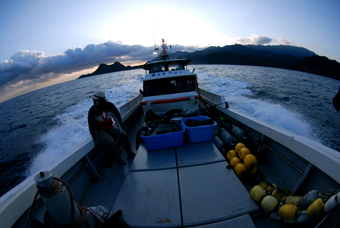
(284, 42)
(254, 39)
(260, 40)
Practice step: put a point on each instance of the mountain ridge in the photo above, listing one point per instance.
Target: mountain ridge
(280, 56)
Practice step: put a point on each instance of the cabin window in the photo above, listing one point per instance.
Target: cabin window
(168, 86)
(175, 66)
(157, 68)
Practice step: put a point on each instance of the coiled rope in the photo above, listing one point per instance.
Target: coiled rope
(49, 222)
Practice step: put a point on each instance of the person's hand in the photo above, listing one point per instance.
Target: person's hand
(125, 134)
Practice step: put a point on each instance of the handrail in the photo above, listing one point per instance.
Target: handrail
(322, 157)
(127, 109)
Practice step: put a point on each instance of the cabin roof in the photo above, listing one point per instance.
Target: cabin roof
(158, 60)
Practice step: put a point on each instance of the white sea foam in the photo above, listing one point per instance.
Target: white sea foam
(234, 92)
(73, 127)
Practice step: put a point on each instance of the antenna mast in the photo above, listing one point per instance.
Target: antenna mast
(154, 43)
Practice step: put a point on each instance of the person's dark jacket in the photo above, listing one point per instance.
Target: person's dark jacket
(95, 115)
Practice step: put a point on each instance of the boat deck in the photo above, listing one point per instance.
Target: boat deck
(178, 187)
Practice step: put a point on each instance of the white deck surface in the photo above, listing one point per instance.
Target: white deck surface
(184, 186)
(198, 154)
(211, 193)
(150, 199)
(153, 160)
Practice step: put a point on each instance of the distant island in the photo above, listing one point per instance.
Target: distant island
(280, 56)
(104, 69)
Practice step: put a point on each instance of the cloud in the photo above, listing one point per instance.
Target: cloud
(30, 67)
(260, 40)
(284, 42)
(254, 39)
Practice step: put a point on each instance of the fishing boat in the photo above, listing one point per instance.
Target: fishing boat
(198, 163)
(169, 85)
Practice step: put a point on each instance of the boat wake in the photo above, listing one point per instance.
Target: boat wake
(238, 94)
(73, 127)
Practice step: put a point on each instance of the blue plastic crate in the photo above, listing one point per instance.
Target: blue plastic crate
(164, 141)
(199, 133)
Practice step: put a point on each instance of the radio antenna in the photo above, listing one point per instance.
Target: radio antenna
(154, 42)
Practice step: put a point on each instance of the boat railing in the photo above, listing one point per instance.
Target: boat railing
(15, 202)
(210, 98)
(127, 109)
(322, 157)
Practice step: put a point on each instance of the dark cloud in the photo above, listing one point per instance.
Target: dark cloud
(29, 67)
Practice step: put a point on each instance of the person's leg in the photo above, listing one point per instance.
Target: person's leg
(115, 133)
(106, 137)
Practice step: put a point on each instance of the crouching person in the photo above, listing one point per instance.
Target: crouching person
(105, 124)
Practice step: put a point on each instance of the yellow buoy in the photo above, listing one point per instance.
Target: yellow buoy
(257, 192)
(293, 200)
(239, 146)
(315, 207)
(240, 170)
(250, 161)
(234, 161)
(243, 152)
(288, 212)
(231, 154)
(269, 203)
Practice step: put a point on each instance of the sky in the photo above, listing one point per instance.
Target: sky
(45, 42)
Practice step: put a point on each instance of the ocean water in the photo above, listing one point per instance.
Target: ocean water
(42, 125)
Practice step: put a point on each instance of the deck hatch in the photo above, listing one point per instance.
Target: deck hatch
(153, 160)
(150, 199)
(212, 193)
(198, 154)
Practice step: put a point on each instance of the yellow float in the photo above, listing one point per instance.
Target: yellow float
(240, 170)
(250, 161)
(257, 192)
(269, 203)
(231, 154)
(295, 200)
(243, 152)
(234, 161)
(239, 146)
(288, 212)
(315, 208)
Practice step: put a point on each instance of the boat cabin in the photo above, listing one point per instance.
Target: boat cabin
(167, 80)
